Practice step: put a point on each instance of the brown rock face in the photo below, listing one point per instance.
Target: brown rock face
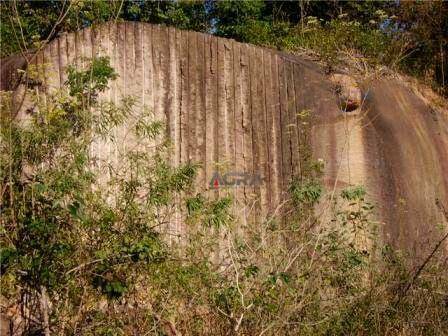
(239, 106)
(8, 71)
(412, 142)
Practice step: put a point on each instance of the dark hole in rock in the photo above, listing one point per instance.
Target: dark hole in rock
(348, 105)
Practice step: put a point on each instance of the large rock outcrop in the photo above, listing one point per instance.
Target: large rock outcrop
(236, 105)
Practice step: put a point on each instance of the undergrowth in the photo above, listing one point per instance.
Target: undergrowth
(93, 247)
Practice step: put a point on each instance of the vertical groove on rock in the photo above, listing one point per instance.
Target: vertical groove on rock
(283, 97)
(238, 128)
(192, 94)
(51, 77)
(269, 141)
(62, 50)
(45, 69)
(121, 82)
(292, 124)
(106, 51)
(183, 42)
(78, 48)
(200, 111)
(148, 71)
(256, 111)
(263, 157)
(156, 72)
(139, 66)
(222, 138)
(221, 159)
(57, 58)
(71, 55)
(94, 41)
(300, 116)
(87, 43)
(276, 131)
(229, 119)
(248, 132)
(211, 101)
(164, 67)
(114, 85)
(173, 97)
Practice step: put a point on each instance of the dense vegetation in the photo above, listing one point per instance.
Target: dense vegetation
(406, 36)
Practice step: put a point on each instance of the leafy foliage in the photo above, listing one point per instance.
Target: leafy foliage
(305, 193)
(353, 193)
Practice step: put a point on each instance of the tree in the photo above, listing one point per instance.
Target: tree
(425, 25)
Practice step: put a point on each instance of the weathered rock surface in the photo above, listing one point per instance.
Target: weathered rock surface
(348, 92)
(242, 106)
